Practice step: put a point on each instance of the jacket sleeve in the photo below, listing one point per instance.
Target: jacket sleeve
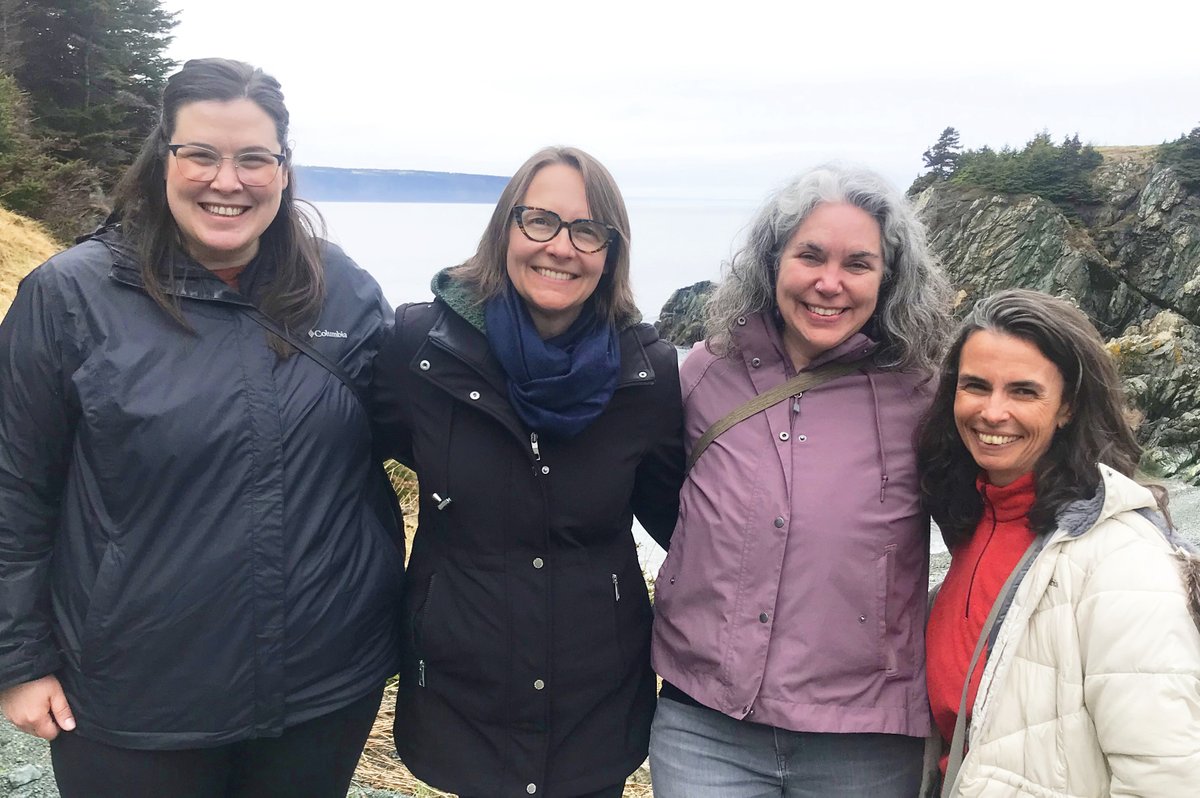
(1140, 652)
(660, 473)
(37, 426)
(391, 408)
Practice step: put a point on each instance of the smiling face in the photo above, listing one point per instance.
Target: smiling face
(220, 221)
(553, 277)
(1008, 404)
(829, 277)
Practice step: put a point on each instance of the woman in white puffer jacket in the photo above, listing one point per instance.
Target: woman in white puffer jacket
(1087, 679)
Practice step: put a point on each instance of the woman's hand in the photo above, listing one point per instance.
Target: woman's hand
(39, 707)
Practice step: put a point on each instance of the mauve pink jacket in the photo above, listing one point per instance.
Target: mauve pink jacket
(794, 591)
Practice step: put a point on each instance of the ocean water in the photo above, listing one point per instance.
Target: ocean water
(404, 244)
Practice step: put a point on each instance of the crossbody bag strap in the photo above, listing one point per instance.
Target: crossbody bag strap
(958, 743)
(804, 381)
(271, 325)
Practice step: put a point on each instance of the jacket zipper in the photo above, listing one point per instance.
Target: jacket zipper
(533, 444)
(421, 673)
(616, 588)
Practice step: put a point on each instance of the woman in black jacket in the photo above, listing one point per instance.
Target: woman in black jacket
(540, 417)
(199, 573)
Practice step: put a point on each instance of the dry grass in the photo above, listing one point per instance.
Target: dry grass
(1140, 154)
(23, 245)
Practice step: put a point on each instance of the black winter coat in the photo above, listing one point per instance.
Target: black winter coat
(190, 534)
(526, 667)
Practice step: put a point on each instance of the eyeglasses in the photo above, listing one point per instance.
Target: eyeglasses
(203, 164)
(541, 225)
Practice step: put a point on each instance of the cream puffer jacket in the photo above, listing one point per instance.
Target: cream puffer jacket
(1093, 685)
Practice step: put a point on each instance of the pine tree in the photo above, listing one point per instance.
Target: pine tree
(942, 158)
(93, 70)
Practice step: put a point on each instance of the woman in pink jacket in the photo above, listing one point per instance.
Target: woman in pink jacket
(791, 604)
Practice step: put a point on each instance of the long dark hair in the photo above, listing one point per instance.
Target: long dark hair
(291, 243)
(486, 271)
(1096, 433)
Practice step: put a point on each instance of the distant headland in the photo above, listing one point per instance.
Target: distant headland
(331, 184)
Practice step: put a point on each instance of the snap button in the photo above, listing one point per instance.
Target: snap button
(545, 469)
(800, 395)
(538, 562)
(672, 580)
(783, 436)
(531, 788)
(862, 619)
(779, 522)
(642, 374)
(756, 362)
(538, 684)
(762, 617)
(741, 321)
(802, 438)
(474, 395)
(424, 365)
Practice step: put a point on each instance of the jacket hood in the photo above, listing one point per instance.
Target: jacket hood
(462, 299)
(1117, 494)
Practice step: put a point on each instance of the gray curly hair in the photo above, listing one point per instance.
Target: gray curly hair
(912, 319)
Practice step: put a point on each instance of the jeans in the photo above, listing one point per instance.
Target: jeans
(696, 752)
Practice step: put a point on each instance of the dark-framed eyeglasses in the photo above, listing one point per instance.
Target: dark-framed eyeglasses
(541, 225)
(202, 164)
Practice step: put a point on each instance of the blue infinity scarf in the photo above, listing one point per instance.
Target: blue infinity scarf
(559, 385)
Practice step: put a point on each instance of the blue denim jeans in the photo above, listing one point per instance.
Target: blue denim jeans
(697, 752)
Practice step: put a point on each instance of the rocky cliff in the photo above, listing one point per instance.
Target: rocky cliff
(1132, 263)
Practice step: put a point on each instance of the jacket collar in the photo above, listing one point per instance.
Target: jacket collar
(757, 336)
(188, 278)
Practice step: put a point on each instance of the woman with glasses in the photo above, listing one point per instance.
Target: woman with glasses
(540, 417)
(199, 568)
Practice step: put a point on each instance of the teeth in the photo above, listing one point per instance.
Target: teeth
(224, 210)
(552, 274)
(824, 311)
(995, 440)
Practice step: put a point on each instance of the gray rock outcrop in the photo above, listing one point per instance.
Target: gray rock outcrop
(682, 318)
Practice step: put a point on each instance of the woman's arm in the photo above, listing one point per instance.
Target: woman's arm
(391, 409)
(1140, 651)
(660, 474)
(37, 426)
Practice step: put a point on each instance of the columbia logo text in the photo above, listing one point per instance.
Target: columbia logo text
(326, 334)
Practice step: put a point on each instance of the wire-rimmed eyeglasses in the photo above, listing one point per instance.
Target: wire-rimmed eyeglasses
(202, 164)
(541, 225)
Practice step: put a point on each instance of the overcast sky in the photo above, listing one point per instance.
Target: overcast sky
(716, 101)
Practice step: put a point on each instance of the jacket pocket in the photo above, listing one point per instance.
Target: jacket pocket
(419, 615)
(97, 620)
(885, 576)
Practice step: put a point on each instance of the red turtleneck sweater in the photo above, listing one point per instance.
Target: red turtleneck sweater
(978, 569)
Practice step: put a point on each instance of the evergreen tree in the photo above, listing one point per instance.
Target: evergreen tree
(942, 158)
(93, 70)
(1183, 156)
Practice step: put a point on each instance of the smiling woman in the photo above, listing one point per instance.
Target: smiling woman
(185, 612)
(541, 416)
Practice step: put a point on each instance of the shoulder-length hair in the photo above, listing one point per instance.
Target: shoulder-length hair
(1097, 431)
(291, 243)
(487, 270)
(912, 317)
